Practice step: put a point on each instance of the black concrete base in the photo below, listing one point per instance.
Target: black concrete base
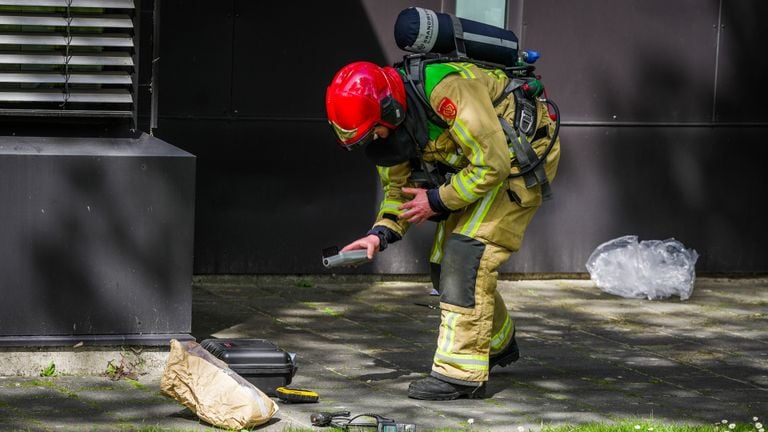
(97, 239)
(159, 340)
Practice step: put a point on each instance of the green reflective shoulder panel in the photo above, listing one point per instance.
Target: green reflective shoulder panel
(433, 74)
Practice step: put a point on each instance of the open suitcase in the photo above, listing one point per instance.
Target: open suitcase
(257, 360)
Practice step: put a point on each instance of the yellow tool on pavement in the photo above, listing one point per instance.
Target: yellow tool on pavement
(295, 395)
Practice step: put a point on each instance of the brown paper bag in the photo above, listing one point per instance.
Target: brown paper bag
(213, 391)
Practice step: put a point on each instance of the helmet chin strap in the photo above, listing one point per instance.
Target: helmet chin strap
(392, 112)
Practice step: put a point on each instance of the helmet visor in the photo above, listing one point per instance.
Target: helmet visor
(352, 138)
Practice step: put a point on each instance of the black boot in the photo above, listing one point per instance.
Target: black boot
(431, 388)
(510, 354)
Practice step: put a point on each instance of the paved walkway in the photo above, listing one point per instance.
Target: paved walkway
(586, 356)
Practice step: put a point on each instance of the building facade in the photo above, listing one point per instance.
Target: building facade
(662, 128)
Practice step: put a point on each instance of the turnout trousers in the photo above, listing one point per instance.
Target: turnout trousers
(470, 247)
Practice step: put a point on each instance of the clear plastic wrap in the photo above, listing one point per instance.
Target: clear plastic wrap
(652, 269)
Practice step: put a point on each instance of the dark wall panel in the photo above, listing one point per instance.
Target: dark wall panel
(196, 57)
(273, 187)
(626, 61)
(742, 88)
(267, 204)
(245, 94)
(287, 53)
(655, 183)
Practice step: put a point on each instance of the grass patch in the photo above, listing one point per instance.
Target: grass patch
(129, 428)
(651, 426)
(135, 384)
(327, 310)
(38, 383)
(332, 312)
(304, 283)
(641, 425)
(384, 308)
(629, 425)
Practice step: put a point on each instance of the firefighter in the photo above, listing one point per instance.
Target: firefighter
(482, 210)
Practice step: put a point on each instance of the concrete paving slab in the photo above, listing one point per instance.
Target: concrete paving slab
(586, 356)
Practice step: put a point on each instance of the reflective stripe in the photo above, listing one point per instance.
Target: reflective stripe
(465, 185)
(463, 71)
(437, 247)
(463, 362)
(389, 206)
(444, 355)
(448, 333)
(468, 358)
(452, 159)
(467, 139)
(383, 175)
(501, 336)
(473, 223)
(497, 74)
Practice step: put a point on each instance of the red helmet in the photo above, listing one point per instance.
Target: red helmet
(361, 96)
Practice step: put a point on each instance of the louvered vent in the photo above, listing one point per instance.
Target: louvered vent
(72, 58)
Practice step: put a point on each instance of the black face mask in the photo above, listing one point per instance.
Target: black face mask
(406, 141)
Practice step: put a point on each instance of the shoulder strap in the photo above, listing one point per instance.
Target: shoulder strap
(414, 77)
(529, 162)
(526, 114)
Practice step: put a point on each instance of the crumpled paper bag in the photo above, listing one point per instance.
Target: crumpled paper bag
(207, 386)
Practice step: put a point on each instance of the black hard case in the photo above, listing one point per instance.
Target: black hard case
(259, 361)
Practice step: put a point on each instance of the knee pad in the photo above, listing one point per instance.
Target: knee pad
(458, 272)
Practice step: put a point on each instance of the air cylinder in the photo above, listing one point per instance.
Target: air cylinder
(420, 30)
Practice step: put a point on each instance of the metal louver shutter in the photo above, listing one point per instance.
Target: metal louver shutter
(72, 58)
